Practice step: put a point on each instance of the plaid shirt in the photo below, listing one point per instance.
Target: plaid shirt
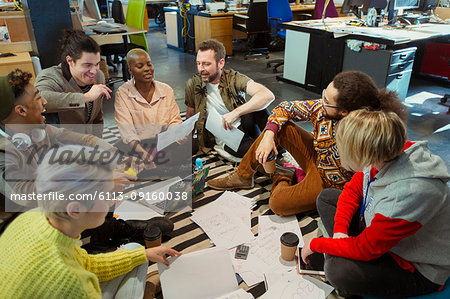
(327, 157)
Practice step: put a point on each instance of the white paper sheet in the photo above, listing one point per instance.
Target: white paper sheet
(264, 256)
(273, 226)
(239, 294)
(421, 97)
(232, 137)
(223, 226)
(176, 133)
(129, 210)
(296, 288)
(274, 278)
(202, 274)
(265, 252)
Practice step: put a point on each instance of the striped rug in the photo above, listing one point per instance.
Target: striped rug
(188, 236)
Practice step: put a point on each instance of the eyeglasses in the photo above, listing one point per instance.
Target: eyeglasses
(326, 105)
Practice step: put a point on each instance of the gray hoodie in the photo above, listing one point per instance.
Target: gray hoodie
(413, 188)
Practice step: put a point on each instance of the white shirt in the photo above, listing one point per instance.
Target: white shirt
(214, 100)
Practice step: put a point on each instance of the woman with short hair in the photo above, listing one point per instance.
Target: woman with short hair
(44, 258)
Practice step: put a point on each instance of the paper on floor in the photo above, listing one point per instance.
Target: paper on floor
(202, 274)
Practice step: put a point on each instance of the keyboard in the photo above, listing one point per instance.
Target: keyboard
(415, 18)
(110, 25)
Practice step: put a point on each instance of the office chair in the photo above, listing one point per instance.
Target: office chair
(255, 24)
(279, 11)
(135, 18)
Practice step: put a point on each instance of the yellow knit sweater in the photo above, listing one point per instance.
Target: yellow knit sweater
(38, 261)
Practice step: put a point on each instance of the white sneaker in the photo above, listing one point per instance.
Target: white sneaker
(224, 154)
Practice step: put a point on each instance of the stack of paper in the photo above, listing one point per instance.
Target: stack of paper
(295, 286)
(265, 251)
(273, 280)
(226, 221)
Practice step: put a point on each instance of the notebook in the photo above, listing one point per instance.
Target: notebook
(107, 30)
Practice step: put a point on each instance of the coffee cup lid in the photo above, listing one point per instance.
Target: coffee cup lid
(152, 233)
(289, 239)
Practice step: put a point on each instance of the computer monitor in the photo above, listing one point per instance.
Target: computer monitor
(426, 5)
(406, 4)
(396, 8)
(355, 6)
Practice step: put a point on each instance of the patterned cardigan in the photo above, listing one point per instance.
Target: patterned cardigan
(327, 157)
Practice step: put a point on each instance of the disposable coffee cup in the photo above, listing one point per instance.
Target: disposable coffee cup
(289, 242)
(269, 166)
(152, 237)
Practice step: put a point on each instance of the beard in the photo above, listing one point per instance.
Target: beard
(337, 116)
(210, 78)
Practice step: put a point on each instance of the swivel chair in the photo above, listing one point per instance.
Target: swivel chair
(135, 18)
(255, 24)
(279, 11)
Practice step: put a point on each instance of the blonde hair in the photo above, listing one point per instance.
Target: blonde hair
(69, 171)
(366, 137)
(133, 53)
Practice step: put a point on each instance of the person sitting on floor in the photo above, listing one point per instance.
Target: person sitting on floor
(315, 153)
(27, 140)
(145, 107)
(389, 229)
(45, 259)
(75, 88)
(224, 90)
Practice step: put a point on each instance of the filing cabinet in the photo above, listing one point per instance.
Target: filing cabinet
(389, 68)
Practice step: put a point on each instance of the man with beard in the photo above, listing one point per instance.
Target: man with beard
(224, 90)
(315, 153)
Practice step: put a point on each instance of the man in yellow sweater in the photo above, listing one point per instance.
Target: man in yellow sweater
(41, 255)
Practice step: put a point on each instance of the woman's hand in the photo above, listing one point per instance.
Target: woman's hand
(158, 254)
(306, 251)
(266, 145)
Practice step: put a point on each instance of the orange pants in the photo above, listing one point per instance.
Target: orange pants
(286, 199)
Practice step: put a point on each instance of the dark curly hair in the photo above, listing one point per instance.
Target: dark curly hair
(75, 42)
(19, 80)
(357, 90)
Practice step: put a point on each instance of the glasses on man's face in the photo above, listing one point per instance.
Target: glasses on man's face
(326, 105)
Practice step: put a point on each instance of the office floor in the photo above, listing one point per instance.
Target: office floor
(175, 67)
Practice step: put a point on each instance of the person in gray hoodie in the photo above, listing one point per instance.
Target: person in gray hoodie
(389, 229)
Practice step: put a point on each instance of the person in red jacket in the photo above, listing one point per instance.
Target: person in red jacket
(389, 228)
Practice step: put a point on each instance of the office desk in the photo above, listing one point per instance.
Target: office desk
(17, 30)
(21, 61)
(314, 54)
(113, 38)
(219, 25)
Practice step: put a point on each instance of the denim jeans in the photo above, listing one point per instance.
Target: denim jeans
(128, 285)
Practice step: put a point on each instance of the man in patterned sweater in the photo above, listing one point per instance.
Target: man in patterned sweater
(315, 153)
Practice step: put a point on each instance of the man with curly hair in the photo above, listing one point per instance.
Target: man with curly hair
(315, 153)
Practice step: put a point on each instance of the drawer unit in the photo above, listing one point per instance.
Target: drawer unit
(220, 28)
(389, 68)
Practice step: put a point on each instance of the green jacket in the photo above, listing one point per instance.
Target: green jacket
(232, 86)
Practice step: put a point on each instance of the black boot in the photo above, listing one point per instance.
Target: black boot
(115, 232)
